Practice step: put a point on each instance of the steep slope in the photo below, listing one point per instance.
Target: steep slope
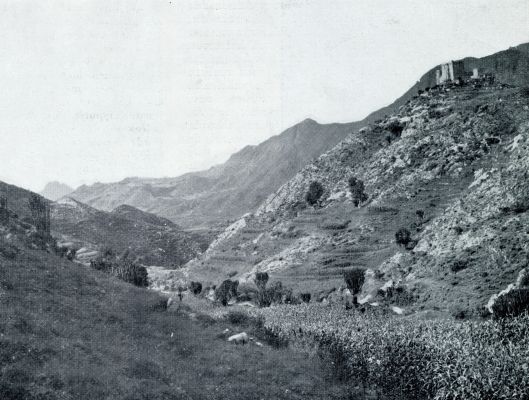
(459, 159)
(150, 239)
(55, 190)
(226, 191)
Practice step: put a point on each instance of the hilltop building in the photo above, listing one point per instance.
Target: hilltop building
(450, 72)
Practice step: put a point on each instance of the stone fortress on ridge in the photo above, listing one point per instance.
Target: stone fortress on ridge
(453, 71)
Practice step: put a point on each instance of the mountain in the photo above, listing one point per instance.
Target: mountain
(449, 166)
(149, 239)
(55, 190)
(225, 191)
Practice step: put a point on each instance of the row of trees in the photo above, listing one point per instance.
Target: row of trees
(276, 293)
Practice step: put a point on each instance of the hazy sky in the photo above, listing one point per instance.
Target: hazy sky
(101, 90)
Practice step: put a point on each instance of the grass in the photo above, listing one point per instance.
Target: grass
(70, 332)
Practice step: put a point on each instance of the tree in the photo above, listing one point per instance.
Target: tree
(354, 279)
(357, 188)
(305, 297)
(195, 287)
(40, 213)
(403, 236)
(226, 291)
(261, 279)
(314, 192)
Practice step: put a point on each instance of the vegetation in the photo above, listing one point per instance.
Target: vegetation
(314, 193)
(68, 332)
(403, 237)
(122, 268)
(226, 291)
(512, 303)
(357, 188)
(305, 297)
(354, 279)
(414, 359)
(40, 212)
(195, 287)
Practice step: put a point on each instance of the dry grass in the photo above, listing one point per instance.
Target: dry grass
(69, 332)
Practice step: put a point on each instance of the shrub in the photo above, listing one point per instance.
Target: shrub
(71, 253)
(525, 91)
(238, 317)
(354, 279)
(305, 297)
(357, 188)
(61, 251)
(131, 272)
(403, 237)
(395, 128)
(101, 264)
(195, 287)
(512, 303)
(261, 279)
(40, 213)
(458, 265)
(226, 291)
(314, 193)
(7, 250)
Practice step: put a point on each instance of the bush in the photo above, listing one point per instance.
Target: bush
(195, 288)
(226, 291)
(458, 265)
(403, 237)
(395, 128)
(238, 318)
(512, 303)
(7, 250)
(126, 270)
(71, 253)
(357, 188)
(354, 279)
(305, 297)
(314, 193)
(261, 279)
(131, 272)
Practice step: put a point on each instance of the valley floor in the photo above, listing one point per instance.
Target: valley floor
(68, 332)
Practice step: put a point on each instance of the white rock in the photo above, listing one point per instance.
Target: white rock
(239, 338)
(397, 310)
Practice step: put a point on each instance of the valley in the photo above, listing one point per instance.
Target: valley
(380, 259)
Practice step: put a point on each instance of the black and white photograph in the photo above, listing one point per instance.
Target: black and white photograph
(264, 200)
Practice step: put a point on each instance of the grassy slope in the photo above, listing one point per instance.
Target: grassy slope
(73, 333)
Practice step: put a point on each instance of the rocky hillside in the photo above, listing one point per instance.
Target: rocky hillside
(55, 190)
(226, 191)
(509, 66)
(450, 166)
(150, 239)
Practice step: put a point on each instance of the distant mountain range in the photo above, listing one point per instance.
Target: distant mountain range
(225, 192)
(55, 190)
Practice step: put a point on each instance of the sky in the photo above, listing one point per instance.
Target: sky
(102, 90)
